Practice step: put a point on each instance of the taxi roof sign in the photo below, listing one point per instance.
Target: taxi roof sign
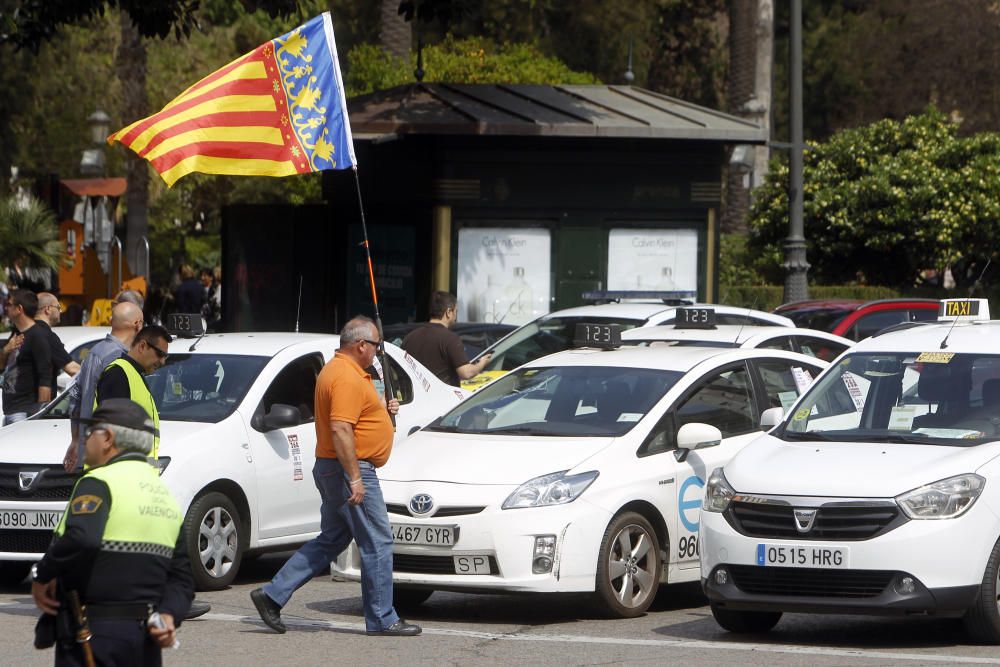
(963, 310)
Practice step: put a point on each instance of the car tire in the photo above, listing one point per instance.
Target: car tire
(213, 532)
(982, 620)
(745, 621)
(409, 598)
(627, 582)
(13, 572)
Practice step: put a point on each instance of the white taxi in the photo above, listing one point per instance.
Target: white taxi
(580, 471)
(554, 332)
(879, 493)
(237, 447)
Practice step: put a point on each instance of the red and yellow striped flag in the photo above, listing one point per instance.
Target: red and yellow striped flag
(277, 111)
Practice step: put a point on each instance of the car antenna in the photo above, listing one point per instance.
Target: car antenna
(204, 331)
(944, 343)
(746, 318)
(298, 306)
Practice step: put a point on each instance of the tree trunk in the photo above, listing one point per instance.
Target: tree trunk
(739, 92)
(131, 64)
(763, 83)
(394, 33)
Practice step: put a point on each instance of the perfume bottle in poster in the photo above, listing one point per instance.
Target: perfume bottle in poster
(488, 302)
(518, 299)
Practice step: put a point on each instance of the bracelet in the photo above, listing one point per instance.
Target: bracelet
(355, 481)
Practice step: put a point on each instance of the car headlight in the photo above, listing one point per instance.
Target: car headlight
(946, 499)
(718, 493)
(557, 488)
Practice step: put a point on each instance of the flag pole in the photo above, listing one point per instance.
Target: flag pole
(371, 277)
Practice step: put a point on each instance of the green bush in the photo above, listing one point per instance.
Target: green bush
(769, 297)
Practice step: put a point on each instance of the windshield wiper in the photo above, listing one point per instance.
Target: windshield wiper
(806, 435)
(516, 430)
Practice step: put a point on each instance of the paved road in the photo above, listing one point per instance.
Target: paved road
(326, 628)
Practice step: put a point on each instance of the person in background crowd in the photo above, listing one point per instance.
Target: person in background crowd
(126, 321)
(48, 316)
(440, 349)
(211, 310)
(122, 560)
(190, 294)
(353, 437)
(26, 382)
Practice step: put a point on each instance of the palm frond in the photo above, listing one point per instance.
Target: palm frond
(29, 233)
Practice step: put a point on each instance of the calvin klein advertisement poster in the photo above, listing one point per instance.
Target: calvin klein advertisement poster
(653, 260)
(503, 274)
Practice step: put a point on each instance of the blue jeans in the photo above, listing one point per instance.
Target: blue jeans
(367, 524)
(14, 417)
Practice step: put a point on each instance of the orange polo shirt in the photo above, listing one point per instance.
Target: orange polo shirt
(345, 393)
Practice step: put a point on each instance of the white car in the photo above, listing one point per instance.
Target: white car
(878, 494)
(821, 344)
(555, 332)
(581, 471)
(237, 448)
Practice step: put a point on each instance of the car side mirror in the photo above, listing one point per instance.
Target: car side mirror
(696, 436)
(279, 416)
(771, 418)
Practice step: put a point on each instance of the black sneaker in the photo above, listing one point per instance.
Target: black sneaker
(398, 629)
(198, 608)
(269, 611)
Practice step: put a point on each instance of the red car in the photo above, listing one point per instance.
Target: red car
(856, 319)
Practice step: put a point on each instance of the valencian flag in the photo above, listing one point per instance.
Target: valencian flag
(277, 111)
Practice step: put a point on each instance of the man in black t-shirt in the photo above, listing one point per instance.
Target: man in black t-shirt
(48, 316)
(440, 349)
(26, 381)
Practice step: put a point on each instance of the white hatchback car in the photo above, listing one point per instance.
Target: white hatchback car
(237, 448)
(878, 494)
(580, 471)
(555, 332)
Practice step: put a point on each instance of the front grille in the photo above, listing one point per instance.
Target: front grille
(431, 564)
(834, 521)
(25, 541)
(810, 582)
(52, 482)
(397, 508)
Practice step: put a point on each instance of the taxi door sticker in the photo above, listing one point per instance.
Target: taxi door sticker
(689, 497)
(296, 456)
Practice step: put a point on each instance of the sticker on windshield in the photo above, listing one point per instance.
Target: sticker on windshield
(901, 417)
(630, 416)
(935, 357)
(801, 414)
(854, 390)
(178, 388)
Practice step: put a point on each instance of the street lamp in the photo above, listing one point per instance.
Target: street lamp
(796, 266)
(92, 164)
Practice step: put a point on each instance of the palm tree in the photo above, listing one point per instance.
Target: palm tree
(28, 234)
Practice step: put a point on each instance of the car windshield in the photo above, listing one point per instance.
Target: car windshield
(936, 398)
(191, 387)
(544, 336)
(561, 401)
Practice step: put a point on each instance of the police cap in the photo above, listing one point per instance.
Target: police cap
(122, 412)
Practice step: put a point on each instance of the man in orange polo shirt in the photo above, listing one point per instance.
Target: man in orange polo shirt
(353, 438)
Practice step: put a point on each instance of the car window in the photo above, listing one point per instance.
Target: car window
(561, 401)
(203, 387)
(294, 386)
(869, 325)
(923, 314)
(937, 398)
(723, 400)
(80, 352)
(784, 380)
(543, 337)
(402, 386)
(820, 348)
(777, 343)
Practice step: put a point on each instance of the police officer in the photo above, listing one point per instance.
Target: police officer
(119, 547)
(125, 377)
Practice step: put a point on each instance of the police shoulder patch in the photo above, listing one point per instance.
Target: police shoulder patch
(85, 505)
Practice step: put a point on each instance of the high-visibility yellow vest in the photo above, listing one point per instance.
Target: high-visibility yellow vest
(144, 517)
(139, 392)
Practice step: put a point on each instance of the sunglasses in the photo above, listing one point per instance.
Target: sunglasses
(162, 354)
(373, 343)
(92, 429)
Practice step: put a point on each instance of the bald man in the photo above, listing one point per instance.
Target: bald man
(48, 316)
(126, 321)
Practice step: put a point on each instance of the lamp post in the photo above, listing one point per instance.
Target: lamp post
(795, 264)
(92, 164)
